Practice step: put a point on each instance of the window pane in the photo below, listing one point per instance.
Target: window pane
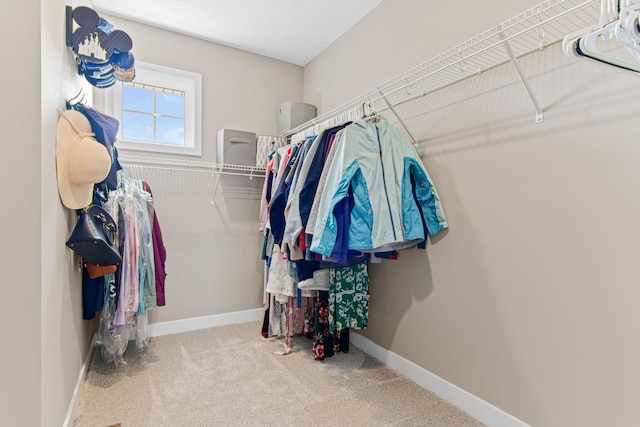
(170, 105)
(169, 130)
(160, 111)
(137, 99)
(137, 126)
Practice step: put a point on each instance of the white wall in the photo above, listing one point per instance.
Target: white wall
(43, 335)
(530, 300)
(20, 214)
(65, 335)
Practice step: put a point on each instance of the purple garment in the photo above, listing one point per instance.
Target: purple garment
(159, 255)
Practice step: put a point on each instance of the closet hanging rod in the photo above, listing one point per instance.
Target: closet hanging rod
(193, 166)
(534, 29)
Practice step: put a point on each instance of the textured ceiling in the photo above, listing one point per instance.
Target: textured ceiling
(294, 31)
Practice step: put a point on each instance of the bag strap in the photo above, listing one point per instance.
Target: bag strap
(99, 212)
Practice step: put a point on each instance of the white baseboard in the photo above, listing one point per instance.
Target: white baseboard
(193, 324)
(71, 411)
(473, 405)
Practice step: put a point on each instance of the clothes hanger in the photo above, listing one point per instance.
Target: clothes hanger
(589, 46)
(372, 116)
(628, 28)
(611, 32)
(568, 42)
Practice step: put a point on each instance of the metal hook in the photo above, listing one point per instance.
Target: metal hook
(70, 102)
(408, 87)
(462, 64)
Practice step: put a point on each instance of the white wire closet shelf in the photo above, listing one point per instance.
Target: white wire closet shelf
(193, 166)
(530, 31)
(189, 166)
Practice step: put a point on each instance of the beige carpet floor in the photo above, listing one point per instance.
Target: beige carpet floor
(229, 376)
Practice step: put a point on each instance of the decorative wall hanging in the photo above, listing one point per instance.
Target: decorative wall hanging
(103, 54)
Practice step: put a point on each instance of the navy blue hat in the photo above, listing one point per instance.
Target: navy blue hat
(97, 70)
(123, 65)
(101, 82)
(99, 75)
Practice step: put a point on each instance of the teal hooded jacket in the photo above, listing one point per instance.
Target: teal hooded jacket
(394, 197)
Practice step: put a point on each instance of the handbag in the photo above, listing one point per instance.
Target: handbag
(92, 237)
(96, 271)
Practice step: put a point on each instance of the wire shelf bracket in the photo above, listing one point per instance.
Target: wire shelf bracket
(523, 79)
(215, 187)
(406, 129)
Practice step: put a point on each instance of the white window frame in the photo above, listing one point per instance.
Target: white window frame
(170, 78)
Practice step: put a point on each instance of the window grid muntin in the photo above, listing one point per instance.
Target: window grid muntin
(154, 89)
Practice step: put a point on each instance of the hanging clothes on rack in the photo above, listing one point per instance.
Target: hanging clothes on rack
(159, 253)
(132, 289)
(356, 192)
(287, 310)
(387, 178)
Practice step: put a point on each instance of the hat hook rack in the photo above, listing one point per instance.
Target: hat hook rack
(69, 102)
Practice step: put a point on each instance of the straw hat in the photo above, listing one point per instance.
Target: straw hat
(81, 160)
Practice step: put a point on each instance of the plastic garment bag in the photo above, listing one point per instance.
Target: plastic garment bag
(131, 290)
(112, 338)
(146, 261)
(128, 295)
(146, 268)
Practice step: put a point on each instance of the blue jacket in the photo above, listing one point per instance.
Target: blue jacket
(313, 176)
(278, 202)
(394, 197)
